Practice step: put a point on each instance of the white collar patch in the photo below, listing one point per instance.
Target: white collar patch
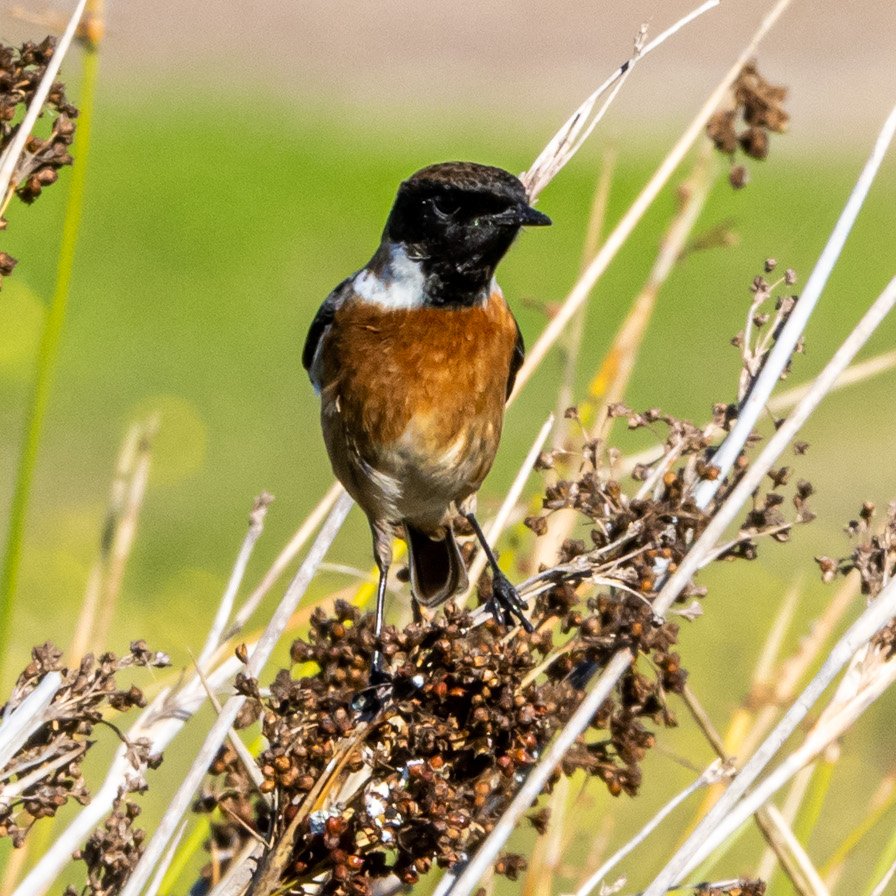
(399, 286)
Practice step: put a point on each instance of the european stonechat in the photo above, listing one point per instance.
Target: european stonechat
(414, 357)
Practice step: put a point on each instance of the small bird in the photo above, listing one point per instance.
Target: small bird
(414, 357)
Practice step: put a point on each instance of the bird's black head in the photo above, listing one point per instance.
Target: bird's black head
(457, 219)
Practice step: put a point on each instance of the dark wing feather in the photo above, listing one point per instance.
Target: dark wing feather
(322, 320)
(516, 360)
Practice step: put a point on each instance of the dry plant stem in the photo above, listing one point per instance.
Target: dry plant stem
(623, 229)
(882, 885)
(784, 401)
(572, 345)
(259, 656)
(468, 879)
(238, 875)
(775, 446)
(156, 882)
(624, 352)
(508, 504)
(116, 541)
(790, 808)
(569, 139)
(241, 750)
(125, 536)
(704, 723)
(784, 849)
(549, 849)
(160, 722)
(285, 557)
(123, 472)
(493, 843)
(614, 374)
(21, 722)
(216, 633)
(716, 772)
(724, 516)
(754, 405)
(14, 791)
(490, 848)
(800, 870)
(734, 807)
(836, 720)
(788, 813)
(10, 157)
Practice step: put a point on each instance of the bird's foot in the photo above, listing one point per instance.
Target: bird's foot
(372, 699)
(506, 604)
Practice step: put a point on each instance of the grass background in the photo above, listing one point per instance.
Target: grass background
(210, 237)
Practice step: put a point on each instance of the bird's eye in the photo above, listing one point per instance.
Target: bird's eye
(444, 207)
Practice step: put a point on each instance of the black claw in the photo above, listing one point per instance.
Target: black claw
(506, 600)
(372, 699)
(367, 703)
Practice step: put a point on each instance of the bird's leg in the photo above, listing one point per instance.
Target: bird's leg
(505, 603)
(382, 552)
(370, 700)
(378, 674)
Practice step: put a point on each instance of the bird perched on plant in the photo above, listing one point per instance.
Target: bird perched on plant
(414, 357)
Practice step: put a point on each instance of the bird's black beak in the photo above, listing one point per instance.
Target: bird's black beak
(521, 215)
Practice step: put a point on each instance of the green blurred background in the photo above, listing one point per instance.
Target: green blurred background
(236, 177)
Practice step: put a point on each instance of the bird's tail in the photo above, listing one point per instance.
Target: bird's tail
(437, 569)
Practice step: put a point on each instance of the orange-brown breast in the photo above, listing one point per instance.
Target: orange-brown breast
(427, 385)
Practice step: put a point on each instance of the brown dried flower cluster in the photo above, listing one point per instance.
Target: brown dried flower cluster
(756, 110)
(346, 800)
(633, 540)
(471, 708)
(873, 558)
(766, 317)
(111, 852)
(21, 71)
(45, 772)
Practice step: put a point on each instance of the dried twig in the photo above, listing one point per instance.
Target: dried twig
(576, 130)
(117, 540)
(676, 583)
(882, 884)
(716, 772)
(623, 229)
(259, 656)
(285, 557)
(734, 807)
(779, 356)
(20, 722)
(778, 442)
(215, 635)
(774, 826)
(158, 724)
(600, 689)
(572, 345)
